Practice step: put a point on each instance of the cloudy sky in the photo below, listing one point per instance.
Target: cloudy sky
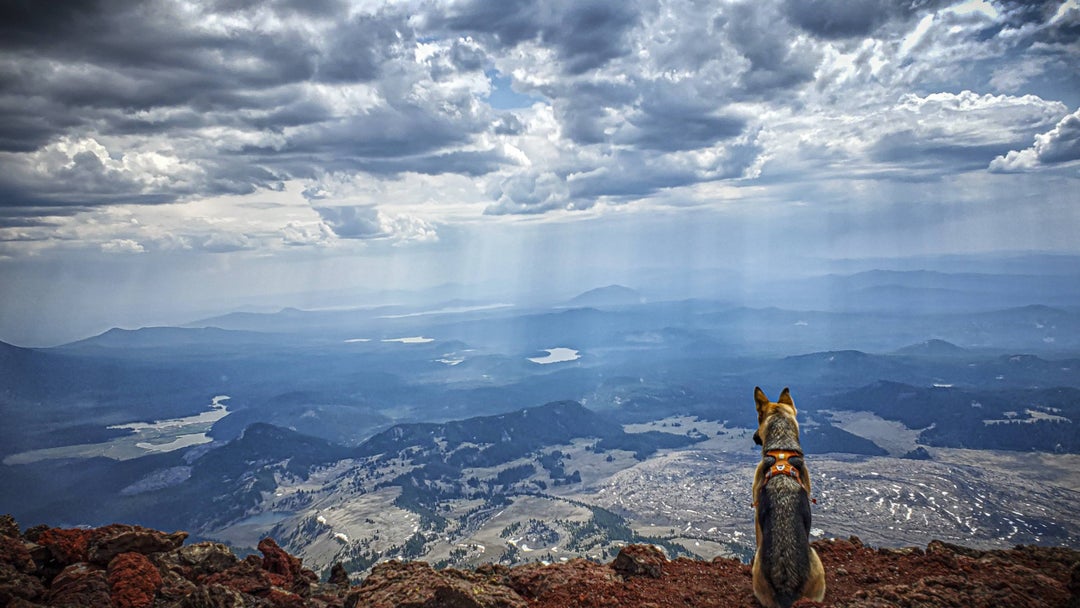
(160, 159)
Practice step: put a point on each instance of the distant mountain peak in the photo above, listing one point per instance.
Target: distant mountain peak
(934, 348)
(612, 295)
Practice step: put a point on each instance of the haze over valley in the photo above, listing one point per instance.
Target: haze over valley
(512, 433)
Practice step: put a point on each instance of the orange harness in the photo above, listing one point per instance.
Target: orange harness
(782, 466)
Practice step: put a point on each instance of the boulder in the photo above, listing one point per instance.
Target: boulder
(80, 585)
(640, 560)
(110, 541)
(133, 581)
(293, 576)
(8, 527)
(101, 545)
(339, 577)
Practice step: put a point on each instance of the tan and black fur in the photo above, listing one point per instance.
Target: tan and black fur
(786, 567)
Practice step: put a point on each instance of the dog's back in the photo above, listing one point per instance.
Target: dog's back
(784, 513)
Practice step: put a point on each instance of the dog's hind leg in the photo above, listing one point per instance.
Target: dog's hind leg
(815, 586)
(762, 590)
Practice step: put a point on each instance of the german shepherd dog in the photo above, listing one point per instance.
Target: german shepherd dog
(786, 567)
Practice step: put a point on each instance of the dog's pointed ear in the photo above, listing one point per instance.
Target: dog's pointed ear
(785, 397)
(760, 399)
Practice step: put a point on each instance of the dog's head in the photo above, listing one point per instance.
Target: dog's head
(765, 408)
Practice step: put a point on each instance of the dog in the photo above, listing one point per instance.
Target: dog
(785, 567)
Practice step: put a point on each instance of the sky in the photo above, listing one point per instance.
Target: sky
(161, 160)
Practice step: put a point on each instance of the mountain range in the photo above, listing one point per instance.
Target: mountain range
(443, 432)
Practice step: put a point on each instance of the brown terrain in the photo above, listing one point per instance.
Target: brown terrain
(126, 566)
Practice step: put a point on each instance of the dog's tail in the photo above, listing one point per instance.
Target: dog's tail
(784, 513)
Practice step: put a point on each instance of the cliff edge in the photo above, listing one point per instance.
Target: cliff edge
(126, 566)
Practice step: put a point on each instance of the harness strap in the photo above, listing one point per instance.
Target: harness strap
(782, 466)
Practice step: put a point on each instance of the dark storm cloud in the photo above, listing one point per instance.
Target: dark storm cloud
(674, 132)
(585, 34)
(777, 60)
(385, 132)
(583, 107)
(33, 217)
(356, 51)
(838, 19)
(24, 22)
(686, 115)
(88, 72)
(303, 8)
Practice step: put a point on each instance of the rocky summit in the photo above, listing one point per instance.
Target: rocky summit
(125, 566)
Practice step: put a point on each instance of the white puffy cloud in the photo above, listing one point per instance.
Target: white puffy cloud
(122, 246)
(1054, 147)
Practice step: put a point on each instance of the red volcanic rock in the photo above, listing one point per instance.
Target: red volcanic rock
(174, 587)
(293, 576)
(110, 541)
(16, 565)
(15, 553)
(640, 560)
(100, 545)
(213, 596)
(415, 584)
(246, 577)
(8, 526)
(279, 598)
(574, 578)
(207, 575)
(18, 585)
(82, 585)
(67, 546)
(206, 557)
(133, 581)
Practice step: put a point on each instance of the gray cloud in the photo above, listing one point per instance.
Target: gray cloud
(915, 150)
(671, 117)
(586, 34)
(777, 59)
(234, 104)
(363, 222)
(356, 222)
(112, 102)
(530, 193)
(839, 19)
